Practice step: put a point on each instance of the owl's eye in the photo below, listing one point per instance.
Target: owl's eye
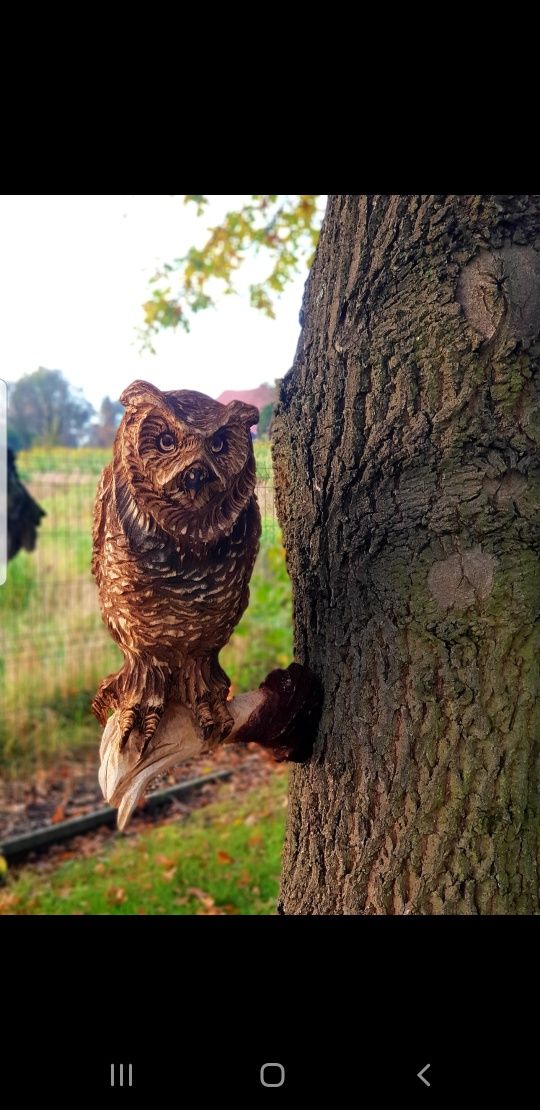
(166, 442)
(217, 443)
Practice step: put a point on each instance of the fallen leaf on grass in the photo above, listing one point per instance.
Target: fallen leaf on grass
(8, 901)
(165, 861)
(169, 875)
(224, 857)
(117, 895)
(205, 899)
(254, 840)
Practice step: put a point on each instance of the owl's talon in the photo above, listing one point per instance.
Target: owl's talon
(127, 722)
(100, 709)
(143, 719)
(150, 721)
(215, 723)
(223, 721)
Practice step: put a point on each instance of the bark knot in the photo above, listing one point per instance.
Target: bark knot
(462, 579)
(502, 285)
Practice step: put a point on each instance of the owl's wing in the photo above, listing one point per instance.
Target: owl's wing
(103, 496)
(252, 525)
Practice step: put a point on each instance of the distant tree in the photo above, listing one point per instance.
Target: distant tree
(43, 408)
(265, 419)
(110, 414)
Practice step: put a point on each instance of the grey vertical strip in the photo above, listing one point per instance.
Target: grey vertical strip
(130, 1075)
(121, 1075)
(112, 1075)
(3, 481)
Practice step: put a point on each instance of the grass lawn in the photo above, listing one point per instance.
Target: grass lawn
(222, 859)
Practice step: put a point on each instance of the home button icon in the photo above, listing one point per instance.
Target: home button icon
(272, 1075)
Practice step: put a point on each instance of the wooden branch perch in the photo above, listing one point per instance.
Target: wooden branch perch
(282, 715)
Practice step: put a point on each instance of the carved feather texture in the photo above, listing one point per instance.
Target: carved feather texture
(176, 533)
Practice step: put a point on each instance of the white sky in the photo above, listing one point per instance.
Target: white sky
(74, 272)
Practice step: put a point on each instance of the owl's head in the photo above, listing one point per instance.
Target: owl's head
(187, 459)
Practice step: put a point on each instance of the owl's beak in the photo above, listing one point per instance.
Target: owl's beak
(215, 476)
(194, 478)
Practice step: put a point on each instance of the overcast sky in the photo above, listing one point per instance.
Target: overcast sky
(74, 272)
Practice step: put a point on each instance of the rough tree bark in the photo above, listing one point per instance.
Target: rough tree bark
(406, 447)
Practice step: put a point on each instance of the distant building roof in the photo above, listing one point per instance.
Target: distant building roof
(263, 395)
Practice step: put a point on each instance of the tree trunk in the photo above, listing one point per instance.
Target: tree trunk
(406, 448)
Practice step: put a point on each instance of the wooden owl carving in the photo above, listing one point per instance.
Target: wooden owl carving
(176, 533)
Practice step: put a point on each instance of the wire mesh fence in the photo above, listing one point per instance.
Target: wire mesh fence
(54, 648)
